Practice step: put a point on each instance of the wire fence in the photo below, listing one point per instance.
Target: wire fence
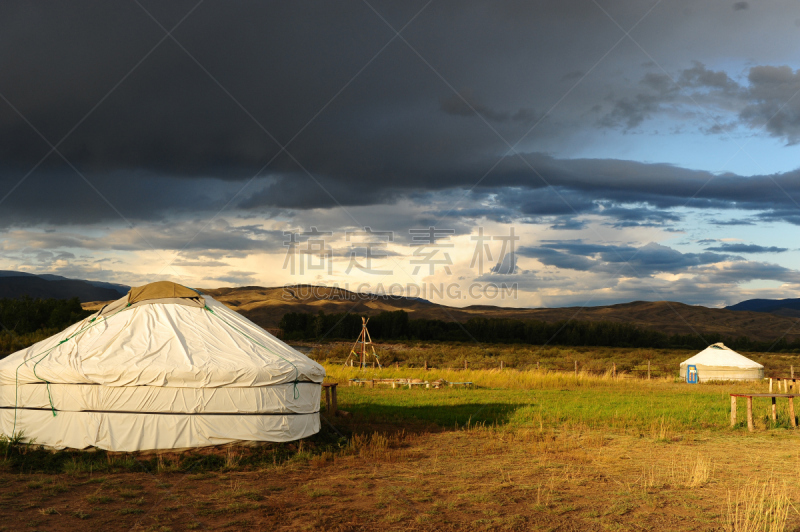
(639, 371)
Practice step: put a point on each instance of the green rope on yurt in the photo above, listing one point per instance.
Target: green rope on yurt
(296, 371)
(42, 356)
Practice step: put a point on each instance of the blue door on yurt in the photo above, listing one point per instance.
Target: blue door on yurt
(691, 374)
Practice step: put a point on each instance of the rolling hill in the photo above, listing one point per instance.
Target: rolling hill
(779, 307)
(266, 306)
(12, 286)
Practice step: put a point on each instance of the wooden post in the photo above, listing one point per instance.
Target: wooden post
(750, 426)
(774, 410)
(791, 413)
(466, 364)
(733, 411)
(648, 370)
(372, 383)
(770, 385)
(576, 368)
(328, 399)
(426, 365)
(334, 400)
(501, 364)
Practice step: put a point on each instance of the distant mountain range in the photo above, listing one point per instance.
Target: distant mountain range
(266, 307)
(18, 284)
(780, 307)
(758, 319)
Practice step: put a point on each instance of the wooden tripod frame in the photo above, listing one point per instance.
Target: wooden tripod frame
(364, 339)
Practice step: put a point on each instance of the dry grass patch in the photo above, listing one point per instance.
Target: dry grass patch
(759, 506)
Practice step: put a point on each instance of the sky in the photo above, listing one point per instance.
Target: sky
(522, 154)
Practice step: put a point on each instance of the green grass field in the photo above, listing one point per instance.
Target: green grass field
(547, 399)
(523, 450)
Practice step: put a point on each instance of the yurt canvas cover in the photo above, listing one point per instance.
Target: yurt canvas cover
(162, 368)
(720, 363)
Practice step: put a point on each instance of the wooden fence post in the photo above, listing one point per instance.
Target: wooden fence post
(328, 400)
(537, 365)
(648, 370)
(576, 368)
(733, 411)
(791, 413)
(426, 365)
(770, 385)
(750, 426)
(774, 410)
(501, 364)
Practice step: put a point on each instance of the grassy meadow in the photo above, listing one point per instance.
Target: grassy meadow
(594, 360)
(524, 449)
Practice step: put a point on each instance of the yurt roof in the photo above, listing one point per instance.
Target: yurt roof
(162, 334)
(720, 355)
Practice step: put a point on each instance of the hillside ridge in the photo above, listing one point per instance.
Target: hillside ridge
(267, 305)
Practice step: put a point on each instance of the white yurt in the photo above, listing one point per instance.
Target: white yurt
(720, 363)
(161, 368)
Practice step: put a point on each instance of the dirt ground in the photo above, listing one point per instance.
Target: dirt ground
(477, 479)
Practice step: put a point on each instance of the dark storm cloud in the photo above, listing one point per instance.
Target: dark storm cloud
(732, 222)
(192, 237)
(465, 104)
(699, 76)
(766, 100)
(620, 260)
(162, 134)
(631, 111)
(507, 266)
(789, 215)
(569, 223)
(771, 101)
(746, 248)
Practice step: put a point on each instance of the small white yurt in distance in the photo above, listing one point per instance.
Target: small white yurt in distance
(720, 363)
(161, 368)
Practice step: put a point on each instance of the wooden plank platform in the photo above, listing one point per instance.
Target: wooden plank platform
(773, 396)
(765, 395)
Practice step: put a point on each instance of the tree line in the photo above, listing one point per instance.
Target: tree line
(396, 326)
(24, 321)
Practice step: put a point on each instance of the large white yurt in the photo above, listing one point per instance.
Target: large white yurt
(720, 363)
(161, 368)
